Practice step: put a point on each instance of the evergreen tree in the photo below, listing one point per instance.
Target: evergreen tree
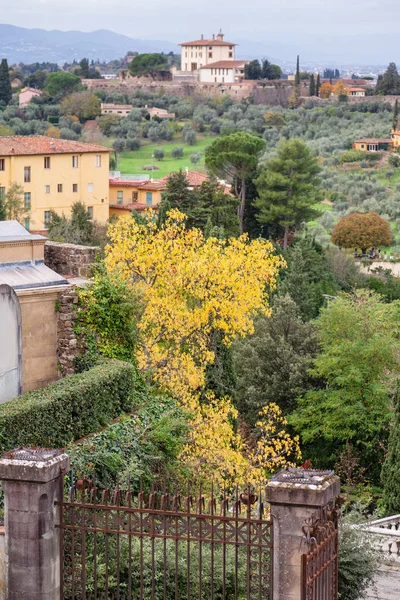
(252, 70)
(318, 85)
(3, 213)
(177, 193)
(5, 83)
(389, 83)
(391, 469)
(84, 65)
(395, 114)
(312, 85)
(288, 187)
(297, 78)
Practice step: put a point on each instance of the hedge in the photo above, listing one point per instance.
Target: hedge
(69, 409)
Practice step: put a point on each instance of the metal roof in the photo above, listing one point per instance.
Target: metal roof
(12, 230)
(28, 275)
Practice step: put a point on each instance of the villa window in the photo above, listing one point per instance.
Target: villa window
(75, 162)
(27, 224)
(47, 162)
(2, 164)
(46, 218)
(90, 187)
(47, 189)
(27, 200)
(27, 174)
(90, 212)
(149, 198)
(59, 188)
(120, 197)
(75, 188)
(210, 55)
(98, 160)
(230, 54)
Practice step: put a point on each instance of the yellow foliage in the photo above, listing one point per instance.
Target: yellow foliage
(189, 287)
(326, 90)
(216, 452)
(340, 89)
(53, 132)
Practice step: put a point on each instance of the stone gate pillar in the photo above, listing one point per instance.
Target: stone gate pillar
(31, 481)
(297, 497)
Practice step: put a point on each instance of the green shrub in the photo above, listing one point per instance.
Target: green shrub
(351, 156)
(69, 409)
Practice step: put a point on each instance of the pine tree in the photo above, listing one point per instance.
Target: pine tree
(391, 469)
(312, 85)
(395, 114)
(318, 85)
(5, 83)
(297, 78)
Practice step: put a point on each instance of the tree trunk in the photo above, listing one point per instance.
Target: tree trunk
(285, 238)
(242, 206)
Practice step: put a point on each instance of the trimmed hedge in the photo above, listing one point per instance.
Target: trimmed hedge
(69, 409)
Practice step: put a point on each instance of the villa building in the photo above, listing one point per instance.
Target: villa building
(223, 71)
(54, 174)
(199, 53)
(372, 144)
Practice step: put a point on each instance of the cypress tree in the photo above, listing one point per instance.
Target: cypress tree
(297, 78)
(312, 85)
(5, 83)
(318, 85)
(395, 114)
(390, 475)
(3, 214)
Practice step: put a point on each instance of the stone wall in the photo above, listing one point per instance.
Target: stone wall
(68, 344)
(264, 92)
(70, 260)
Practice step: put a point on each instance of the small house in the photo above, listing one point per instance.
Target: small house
(372, 144)
(26, 96)
(357, 92)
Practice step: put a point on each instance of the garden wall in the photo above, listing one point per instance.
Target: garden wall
(70, 260)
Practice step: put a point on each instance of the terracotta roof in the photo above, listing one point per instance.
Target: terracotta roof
(125, 183)
(356, 89)
(194, 178)
(208, 43)
(22, 145)
(225, 64)
(157, 184)
(373, 141)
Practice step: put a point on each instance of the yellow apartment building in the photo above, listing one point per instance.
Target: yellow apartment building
(54, 174)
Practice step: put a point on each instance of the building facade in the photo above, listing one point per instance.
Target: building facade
(372, 144)
(199, 53)
(121, 110)
(54, 174)
(223, 71)
(26, 96)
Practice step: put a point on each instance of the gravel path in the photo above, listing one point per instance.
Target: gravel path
(387, 584)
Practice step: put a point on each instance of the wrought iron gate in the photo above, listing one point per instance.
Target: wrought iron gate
(162, 546)
(320, 564)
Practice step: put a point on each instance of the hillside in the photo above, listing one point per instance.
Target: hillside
(18, 44)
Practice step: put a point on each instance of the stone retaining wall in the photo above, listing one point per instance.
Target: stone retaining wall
(70, 260)
(68, 344)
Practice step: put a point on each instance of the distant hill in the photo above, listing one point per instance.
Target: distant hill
(18, 44)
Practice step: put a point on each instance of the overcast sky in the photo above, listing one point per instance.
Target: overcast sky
(344, 28)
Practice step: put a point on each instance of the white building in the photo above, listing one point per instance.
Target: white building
(223, 71)
(357, 91)
(199, 53)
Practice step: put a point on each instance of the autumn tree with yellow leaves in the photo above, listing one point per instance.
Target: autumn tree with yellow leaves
(190, 287)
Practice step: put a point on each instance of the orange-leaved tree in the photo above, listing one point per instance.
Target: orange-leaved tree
(189, 288)
(340, 89)
(326, 90)
(362, 230)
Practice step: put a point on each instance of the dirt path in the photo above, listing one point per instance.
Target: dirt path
(387, 584)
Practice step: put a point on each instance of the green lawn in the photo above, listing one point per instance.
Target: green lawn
(132, 162)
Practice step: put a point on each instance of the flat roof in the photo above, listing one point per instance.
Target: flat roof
(28, 275)
(12, 230)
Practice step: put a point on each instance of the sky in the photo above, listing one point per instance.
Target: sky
(352, 30)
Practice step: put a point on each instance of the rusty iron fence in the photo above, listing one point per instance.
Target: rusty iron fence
(164, 546)
(320, 563)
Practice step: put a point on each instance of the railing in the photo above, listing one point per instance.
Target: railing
(320, 564)
(162, 546)
(386, 536)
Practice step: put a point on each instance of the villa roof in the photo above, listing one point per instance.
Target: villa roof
(373, 141)
(208, 43)
(225, 64)
(356, 89)
(194, 178)
(134, 206)
(22, 145)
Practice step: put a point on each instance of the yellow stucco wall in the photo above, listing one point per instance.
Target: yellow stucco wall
(127, 197)
(201, 55)
(359, 146)
(39, 338)
(61, 172)
(396, 139)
